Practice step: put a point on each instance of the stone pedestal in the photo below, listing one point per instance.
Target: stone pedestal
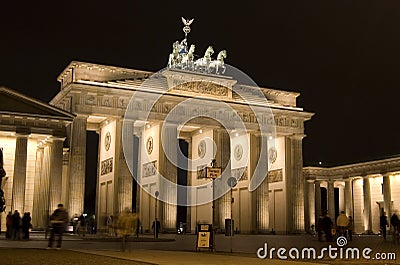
(19, 178)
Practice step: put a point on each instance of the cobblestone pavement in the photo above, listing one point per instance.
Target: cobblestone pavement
(181, 249)
(23, 256)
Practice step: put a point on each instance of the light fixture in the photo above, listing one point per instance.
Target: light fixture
(200, 131)
(236, 134)
(148, 126)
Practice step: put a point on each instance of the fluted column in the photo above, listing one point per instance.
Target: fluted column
(309, 205)
(168, 169)
(367, 205)
(348, 197)
(56, 162)
(19, 178)
(262, 192)
(294, 183)
(125, 141)
(77, 166)
(317, 199)
(37, 220)
(222, 141)
(387, 195)
(331, 200)
(43, 200)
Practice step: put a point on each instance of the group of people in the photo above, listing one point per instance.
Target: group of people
(83, 224)
(342, 227)
(18, 227)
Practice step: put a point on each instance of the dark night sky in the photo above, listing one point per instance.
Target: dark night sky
(342, 56)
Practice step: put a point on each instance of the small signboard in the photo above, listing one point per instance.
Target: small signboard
(204, 236)
(213, 172)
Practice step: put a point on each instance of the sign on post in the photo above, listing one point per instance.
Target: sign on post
(204, 236)
(213, 172)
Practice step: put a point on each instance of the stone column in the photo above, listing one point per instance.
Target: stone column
(223, 155)
(124, 179)
(77, 166)
(37, 220)
(331, 200)
(262, 192)
(309, 205)
(43, 200)
(19, 178)
(317, 188)
(56, 162)
(168, 170)
(348, 197)
(294, 184)
(387, 195)
(367, 205)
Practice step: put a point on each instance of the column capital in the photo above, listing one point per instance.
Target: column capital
(386, 174)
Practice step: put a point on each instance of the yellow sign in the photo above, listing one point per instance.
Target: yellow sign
(213, 172)
(204, 227)
(203, 240)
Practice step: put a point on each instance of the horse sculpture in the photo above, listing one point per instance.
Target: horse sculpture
(188, 59)
(202, 64)
(219, 63)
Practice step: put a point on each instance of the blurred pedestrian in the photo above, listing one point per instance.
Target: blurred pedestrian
(58, 221)
(350, 228)
(383, 223)
(342, 222)
(26, 225)
(9, 224)
(327, 226)
(395, 222)
(16, 225)
(156, 226)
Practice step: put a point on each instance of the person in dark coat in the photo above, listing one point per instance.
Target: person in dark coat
(327, 225)
(395, 222)
(9, 224)
(156, 227)
(26, 224)
(16, 225)
(58, 221)
(383, 223)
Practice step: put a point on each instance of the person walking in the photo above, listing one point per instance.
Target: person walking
(9, 224)
(383, 223)
(156, 227)
(16, 225)
(26, 225)
(327, 226)
(342, 222)
(58, 222)
(394, 221)
(350, 228)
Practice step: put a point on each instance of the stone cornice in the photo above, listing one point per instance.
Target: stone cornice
(382, 166)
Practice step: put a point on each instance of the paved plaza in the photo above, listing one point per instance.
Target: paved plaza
(181, 249)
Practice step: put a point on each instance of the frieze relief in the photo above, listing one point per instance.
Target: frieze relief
(199, 87)
(275, 175)
(150, 169)
(106, 166)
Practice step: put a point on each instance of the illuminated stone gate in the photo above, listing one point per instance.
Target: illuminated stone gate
(98, 95)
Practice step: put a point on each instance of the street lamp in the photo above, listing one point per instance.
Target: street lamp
(231, 183)
(213, 172)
